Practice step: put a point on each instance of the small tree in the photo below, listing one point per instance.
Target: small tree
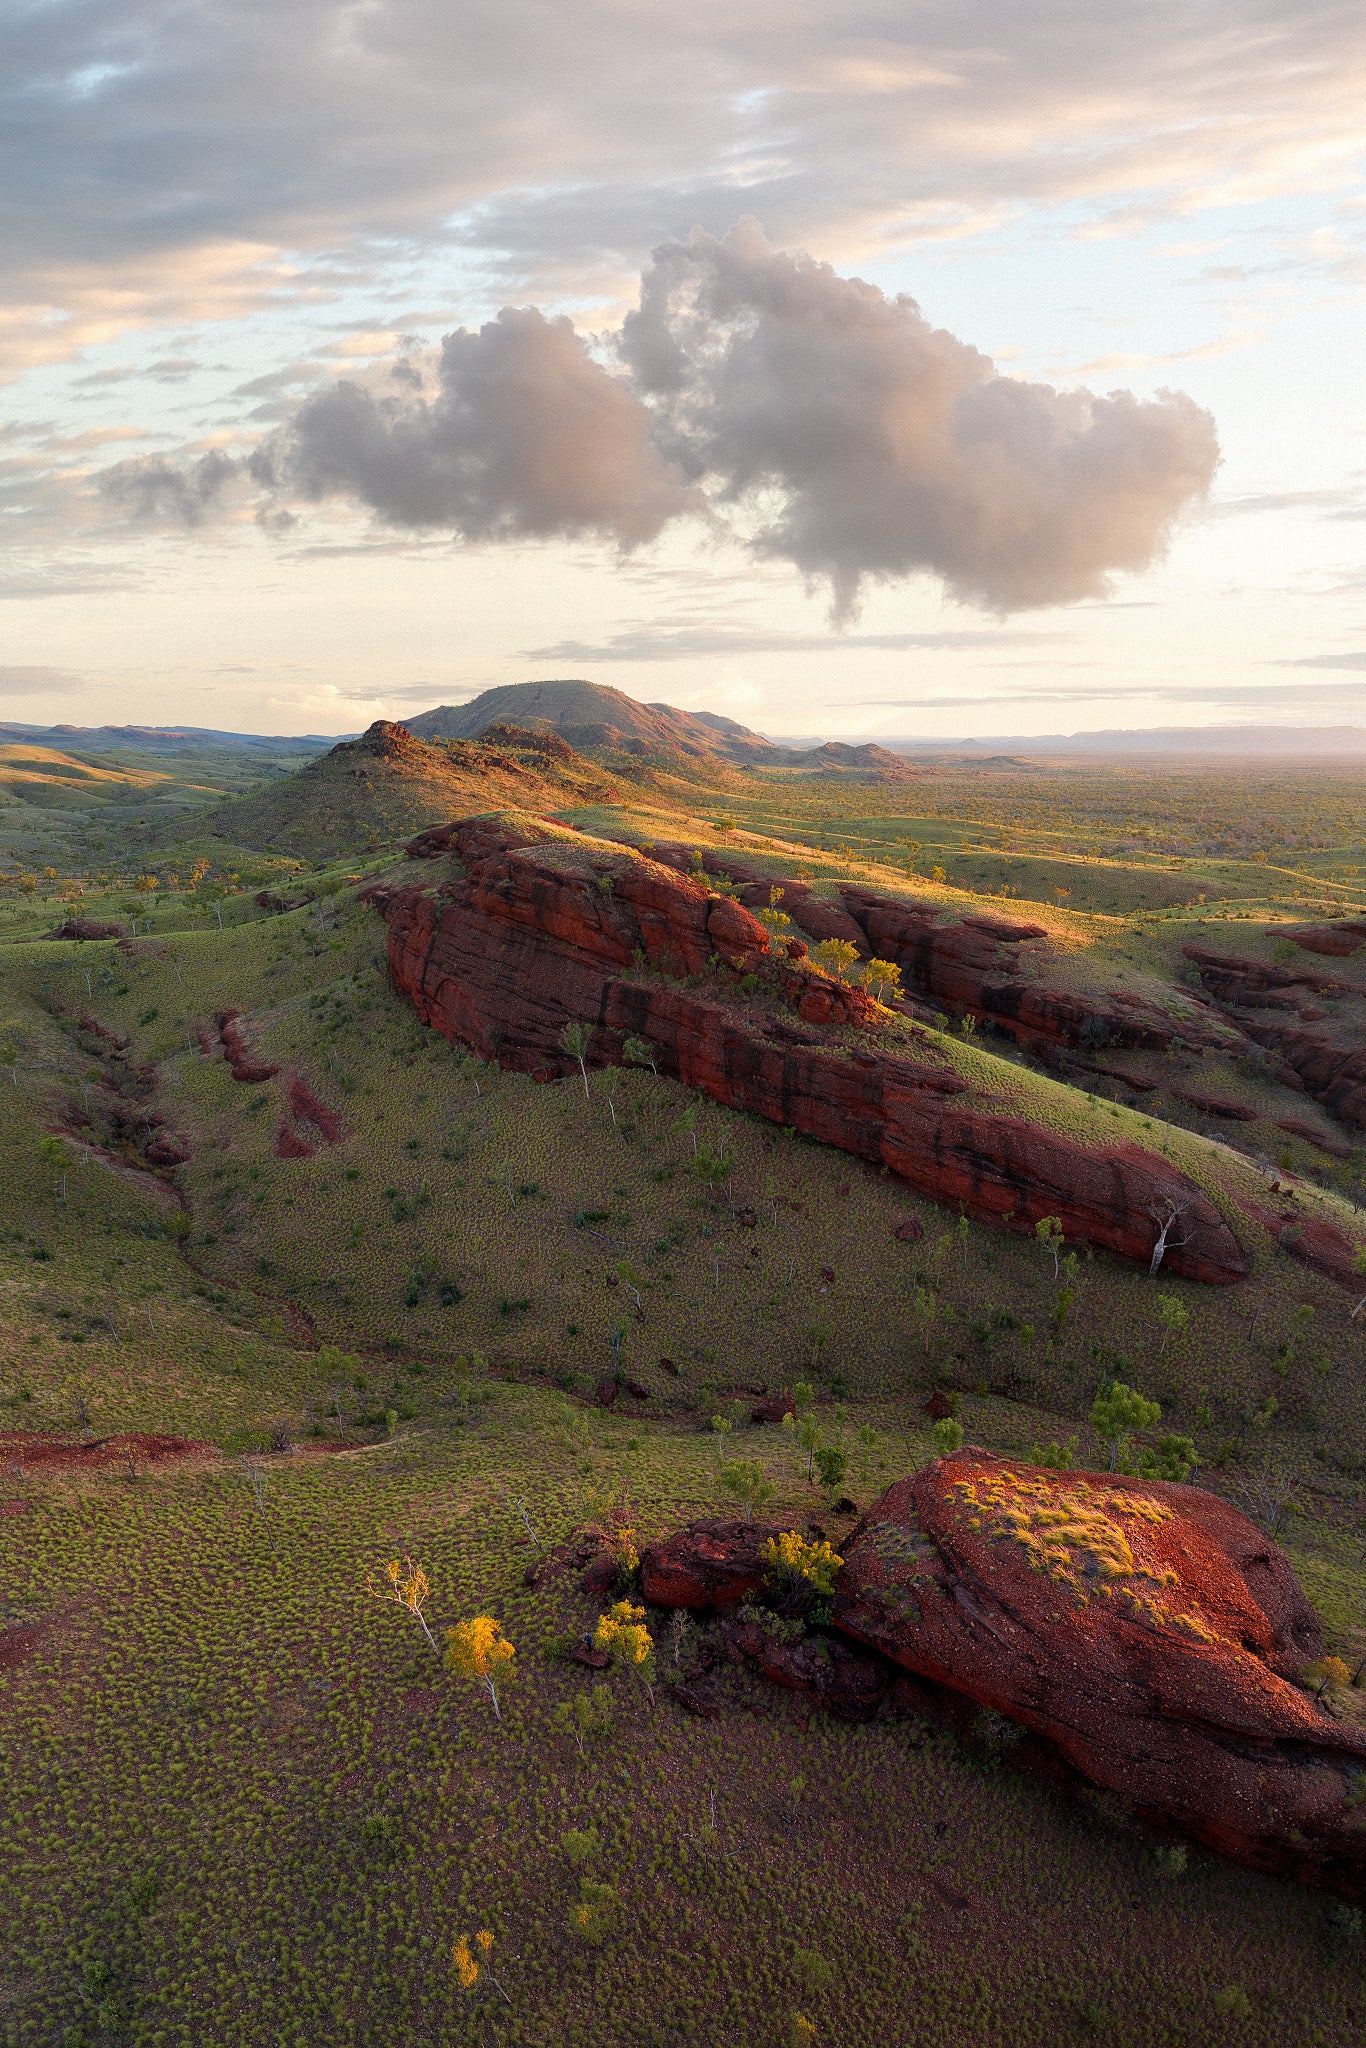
(586, 1715)
(575, 1040)
(1166, 1215)
(1173, 1315)
(947, 1436)
(408, 1586)
(808, 1434)
(638, 1052)
(469, 1967)
(832, 1465)
(880, 975)
(54, 1152)
(747, 1481)
(1117, 1412)
(836, 956)
(927, 1312)
(624, 1636)
(799, 1570)
(478, 1649)
(1048, 1231)
(595, 1916)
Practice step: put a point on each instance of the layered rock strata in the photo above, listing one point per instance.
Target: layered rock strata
(1320, 1051)
(971, 965)
(536, 935)
(1147, 1632)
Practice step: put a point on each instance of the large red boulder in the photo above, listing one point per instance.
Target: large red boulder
(86, 928)
(535, 934)
(1147, 1631)
(708, 1564)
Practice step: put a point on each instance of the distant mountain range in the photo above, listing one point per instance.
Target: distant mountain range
(1235, 742)
(165, 739)
(596, 719)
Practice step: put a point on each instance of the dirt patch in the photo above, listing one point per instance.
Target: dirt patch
(32, 1451)
(17, 1644)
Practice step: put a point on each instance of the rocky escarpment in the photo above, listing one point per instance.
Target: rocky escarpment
(1320, 1050)
(1147, 1632)
(971, 965)
(534, 935)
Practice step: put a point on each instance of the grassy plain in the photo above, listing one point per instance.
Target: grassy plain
(240, 1800)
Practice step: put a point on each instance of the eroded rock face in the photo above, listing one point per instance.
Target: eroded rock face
(535, 936)
(1318, 1050)
(1147, 1631)
(968, 964)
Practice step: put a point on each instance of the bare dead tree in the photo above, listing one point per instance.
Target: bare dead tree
(1272, 1492)
(1166, 1215)
(254, 1472)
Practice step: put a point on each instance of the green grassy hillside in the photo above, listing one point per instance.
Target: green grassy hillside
(240, 1799)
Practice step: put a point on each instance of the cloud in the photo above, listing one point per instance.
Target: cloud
(64, 579)
(157, 491)
(162, 157)
(700, 643)
(38, 682)
(1253, 696)
(888, 446)
(526, 438)
(825, 425)
(1349, 661)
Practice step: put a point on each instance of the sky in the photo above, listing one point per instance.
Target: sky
(922, 371)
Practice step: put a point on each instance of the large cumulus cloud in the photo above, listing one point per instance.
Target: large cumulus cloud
(526, 437)
(881, 445)
(817, 420)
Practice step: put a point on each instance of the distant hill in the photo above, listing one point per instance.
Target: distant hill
(47, 775)
(596, 719)
(387, 785)
(1326, 745)
(165, 739)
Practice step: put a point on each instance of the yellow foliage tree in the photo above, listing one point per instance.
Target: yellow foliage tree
(623, 1634)
(479, 1649)
(469, 1967)
(407, 1585)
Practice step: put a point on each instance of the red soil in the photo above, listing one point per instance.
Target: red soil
(30, 1451)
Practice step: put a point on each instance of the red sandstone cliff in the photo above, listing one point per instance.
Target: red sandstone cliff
(536, 934)
(969, 965)
(1321, 1051)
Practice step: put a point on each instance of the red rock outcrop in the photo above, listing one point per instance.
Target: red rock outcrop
(969, 964)
(86, 928)
(1148, 1632)
(1342, 938)
(1328, 1062)
(534, 936)
(835, 1676)
(708, 1564)
(1314, 1241)
(237, 1053)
